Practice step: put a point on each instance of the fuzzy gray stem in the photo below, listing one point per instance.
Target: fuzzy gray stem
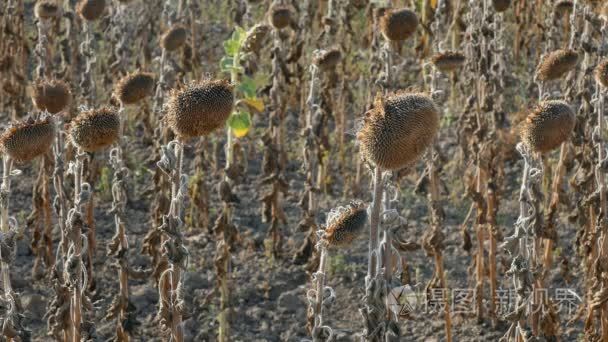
(522, 239)
(88, 82)
(176, 202)
(387, 56)
(5, 190)
(319, 277)
(159, 94)
(311, 155)
(41, 47)
(374, 225)
(573, 24)
(76, 304)
(176, 211)
(58, 185)
(523, 206)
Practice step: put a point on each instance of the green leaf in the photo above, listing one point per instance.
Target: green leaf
(239, 35)
(231, 46)
(226, 64)
(248, 86)
(240, 122)
(255, 103)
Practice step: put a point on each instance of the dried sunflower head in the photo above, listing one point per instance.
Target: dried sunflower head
(398, 129)
(51, 95)
(398, 24)
(95, 129)
(548, 125)
(91, 10)
(200, 108)
(134, 87)
(556, 64)
(28, 139)
(345, 224)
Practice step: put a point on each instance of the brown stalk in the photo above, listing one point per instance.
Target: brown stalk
(601, 188)
(49, 256)
(154, 239)
(437, 221)
(76, 245)
(277, 131)
(318, 329)
(42, 242)
(13, 329)
(177, 332)
(434, 240)
(555, 192)
(119, 245)
(91, 232)
(61, 290)
(310, 153)
(36, 221)
(13, 45)
(480, 235)
(305, 37)
(199, 193)
(170, 284)
(343, 94)
(603, 248)
(493, 231)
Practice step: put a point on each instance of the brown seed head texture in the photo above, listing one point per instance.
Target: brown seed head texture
(46, 9)
(398, 129)
(95, 129)
(449, 61)
(134, 87)
(255, 38)
(501, 5)
(52, 96)
(347, 226)
(328, 59)
(28, 139)
(91, 9)
(548, 126)
(200, 108)
(280, 16)
(174, 39)
(398, 24)
(564, 6)
(556, 64)
(601, 73)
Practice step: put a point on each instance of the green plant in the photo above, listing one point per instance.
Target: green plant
(238, 124)
(246, 98)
